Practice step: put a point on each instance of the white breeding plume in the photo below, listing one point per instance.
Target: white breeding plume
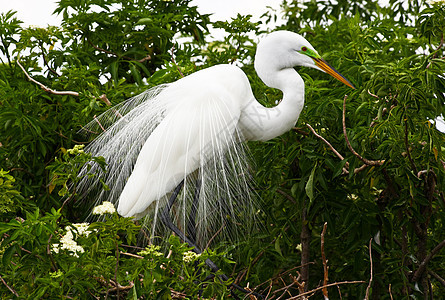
(193, 130)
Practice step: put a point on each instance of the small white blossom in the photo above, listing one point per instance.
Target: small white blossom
(82, 228)
(105, 208)
(55, 248)
(190, 256)
(67, 241)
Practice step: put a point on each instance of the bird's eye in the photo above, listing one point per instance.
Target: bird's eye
(304, 49)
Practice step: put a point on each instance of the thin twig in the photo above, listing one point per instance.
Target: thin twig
(359, 169)
(116, 270)
(97, 121)
(287, 196)
(389, 290)
(300, 286)
(44, 87)
(370, 280)
(325, 263)
(214, 236)
(375, 96)
(104, 98)
(65, 137)
(48, 252)
(327, 143)
(366, 161)
(424, 263)
(131, 254)
(328, 285)
(119, 287)
(270, 289)
(346, 168)
(9, 288)
(438, 278)
(134, 247)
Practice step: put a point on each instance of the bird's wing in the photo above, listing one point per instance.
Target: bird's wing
(201, 126)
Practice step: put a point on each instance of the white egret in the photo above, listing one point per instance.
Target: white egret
(195, 127)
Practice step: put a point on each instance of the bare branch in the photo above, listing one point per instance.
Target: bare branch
(97, 121)
(9, 288)
(116, 270)
(427, 259)
(104, 98)
(44, 87)
(359, 169)
(131, 254)
(346, 169)
(375, 96)
(327, 143)
(438, 278)
(325, 263)
(328, 285)
(370, 280)
(286, 195)
(215, 235)
(366, 161)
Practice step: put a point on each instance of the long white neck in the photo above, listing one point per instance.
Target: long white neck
(261, 123)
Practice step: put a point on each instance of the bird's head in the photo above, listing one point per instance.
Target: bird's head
(285, 49)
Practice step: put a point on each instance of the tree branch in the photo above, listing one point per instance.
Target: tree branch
(326, 286)
(9, 288)
(327, 143)
(424, 263)
(286, 195)
(325, 263)
(44, 87)
(346, 168)
(370, 280)
(438, 278)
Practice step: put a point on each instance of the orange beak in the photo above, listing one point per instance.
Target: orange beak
(322, 64)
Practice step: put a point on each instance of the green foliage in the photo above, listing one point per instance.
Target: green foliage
(10, 198)
(42, 259)
(66, 169)
(110, 50)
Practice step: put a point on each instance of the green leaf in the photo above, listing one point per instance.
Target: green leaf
(309, 188)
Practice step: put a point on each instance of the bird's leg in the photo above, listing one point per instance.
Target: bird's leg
(191, 225)
(166, 219)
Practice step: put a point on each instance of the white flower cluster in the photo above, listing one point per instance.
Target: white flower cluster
(151, 250)
(190, 256)
(105, 208)
(76, 150)
(435, 2)
(67, 242)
